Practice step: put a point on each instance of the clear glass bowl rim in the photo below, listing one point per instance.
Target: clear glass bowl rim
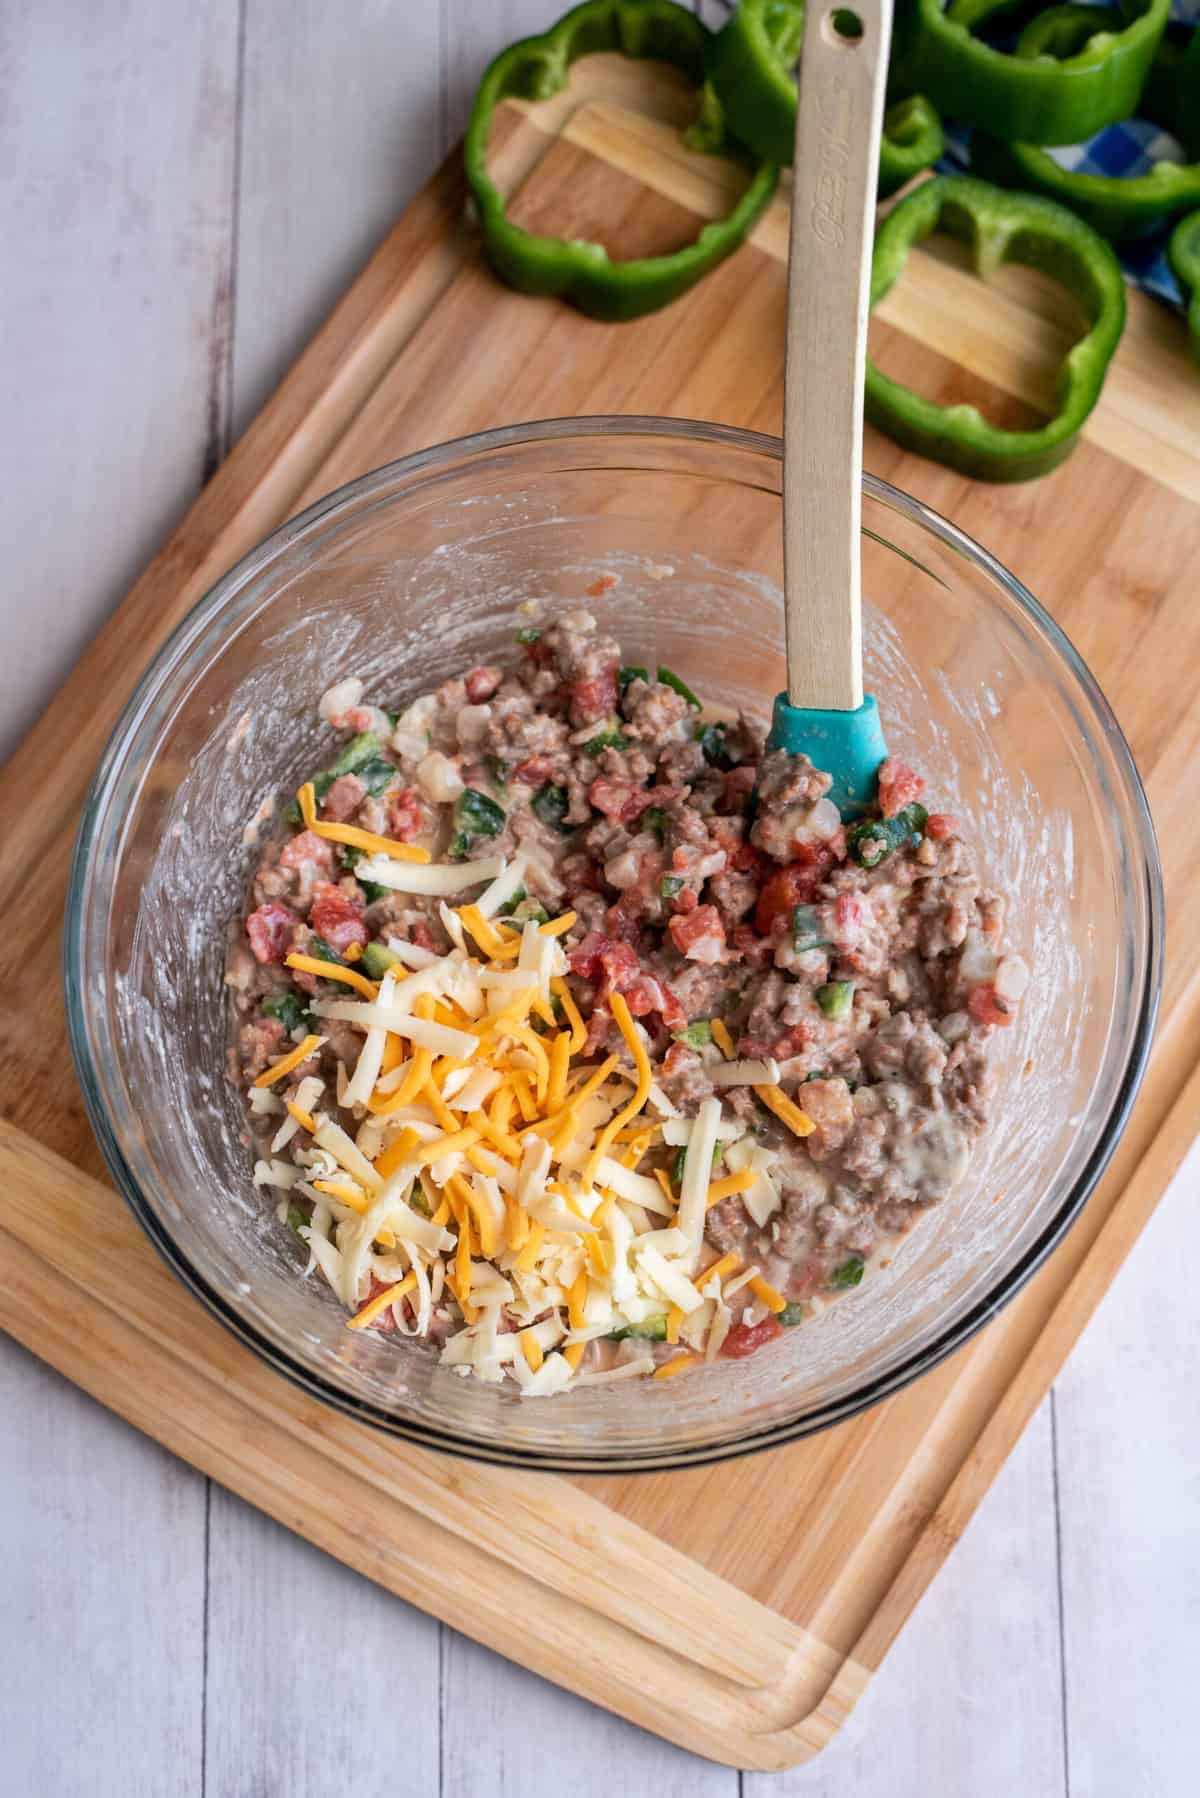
(216, 612)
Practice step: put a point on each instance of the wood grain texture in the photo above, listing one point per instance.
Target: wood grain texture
(1127, 1414)
(101, 1604)
(340, 125)
(985, 1639)
(839, 120)
(1143, 574)
(120, 203)
(306, 1661)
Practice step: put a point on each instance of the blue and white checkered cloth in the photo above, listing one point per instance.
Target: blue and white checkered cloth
(1130, 148)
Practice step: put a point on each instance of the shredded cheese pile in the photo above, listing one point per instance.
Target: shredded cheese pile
(497, 1164)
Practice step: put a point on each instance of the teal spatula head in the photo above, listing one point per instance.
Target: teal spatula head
(848, 745)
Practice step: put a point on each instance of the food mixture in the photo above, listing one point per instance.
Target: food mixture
(583, 1040)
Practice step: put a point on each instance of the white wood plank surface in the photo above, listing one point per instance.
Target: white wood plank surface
(1128, 1439)
(117, 142)
(185, 186)
(310, 1668)
(102, 1592)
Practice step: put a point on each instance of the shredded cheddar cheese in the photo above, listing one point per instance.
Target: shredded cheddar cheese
(742, 1181)
(722, 1038)
(762, 1289)
(373, 1307)
(286, 1063)
(677, 1364)
(776, 1100)
(351, 836)
(625, 1025)
(303, 1118)
(330, 970)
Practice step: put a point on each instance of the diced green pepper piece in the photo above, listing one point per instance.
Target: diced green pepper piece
(297, 1217)
(836, 997)
(320, 784)
(711, 738)
(351, 857)
(475, 816)
(287, 1008)
(528, 909)
(670, 884)
(672, 680)
(807, 932)
(418, 1201)
(611, 737)
(791, 1314)
(697, 1035)
(318, 947)
(653, 1330)
(499, 769)
(377, 958)
(551, 805)
(655, 819)
(528, 634)
(627, 676)
(870, 843)
(377, 775)
(848, 1274)
(360, 750)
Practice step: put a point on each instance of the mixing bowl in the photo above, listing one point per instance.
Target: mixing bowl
(414, 573)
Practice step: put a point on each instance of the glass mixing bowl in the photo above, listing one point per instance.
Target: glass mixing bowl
(411, 575)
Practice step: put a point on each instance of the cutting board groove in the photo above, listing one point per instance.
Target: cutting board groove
(738, 1610)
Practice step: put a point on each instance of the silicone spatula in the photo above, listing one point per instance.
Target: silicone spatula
(824, 714)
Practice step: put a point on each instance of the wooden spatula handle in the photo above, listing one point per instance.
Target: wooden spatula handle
(842, 81)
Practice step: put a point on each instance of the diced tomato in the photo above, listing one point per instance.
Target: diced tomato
(898, 787)
(481, 684)
(421, 935)
(789, 887)
(648, 994)
(336, 917)
(603, 583)
(745, 1339)
(741, 855)
(535, 771)
(685, 900)
(343, 798)
(848, 918)
(678, 1059)
(791, 1042)
(593, 696)
(738, 786)
(699, 935)
(404, 814)
(624, 918)
(270, 931)
(940, 825)
(307, 850)
(538, 652)
(987, 1007)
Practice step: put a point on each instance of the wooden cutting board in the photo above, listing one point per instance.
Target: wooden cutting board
(738, 1610)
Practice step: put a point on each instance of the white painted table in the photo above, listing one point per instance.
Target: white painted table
(186, 186)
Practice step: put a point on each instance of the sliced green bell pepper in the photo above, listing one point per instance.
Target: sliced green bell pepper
(750, 66)
(999, 227)
(1171, 96)
(1183, 253)
(535, 68)
(1038, 100)
(1120, 207)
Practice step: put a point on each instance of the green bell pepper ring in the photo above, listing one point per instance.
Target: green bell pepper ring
(750, 64)
(1171, 96)
(1120, 207)
(1034, 101)
(999, 227)
(535, 68)
(1183, 253)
